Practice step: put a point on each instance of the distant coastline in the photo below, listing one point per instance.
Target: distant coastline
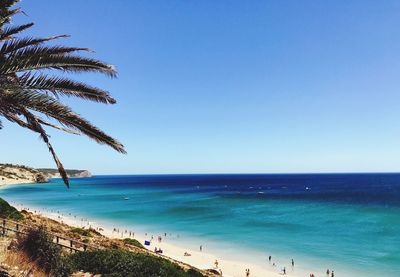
(11, 174)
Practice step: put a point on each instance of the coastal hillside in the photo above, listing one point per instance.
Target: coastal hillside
(44, 250)
(73, 173)
(20, 174)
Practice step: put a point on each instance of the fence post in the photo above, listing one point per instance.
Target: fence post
(4, 227)
(57, 239)
(17, 227)
(70, 243)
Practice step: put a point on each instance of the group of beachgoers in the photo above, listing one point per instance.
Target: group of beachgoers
(123, 233)
(274, 265)
(85, 223)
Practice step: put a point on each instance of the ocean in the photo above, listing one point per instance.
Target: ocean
(346, 222)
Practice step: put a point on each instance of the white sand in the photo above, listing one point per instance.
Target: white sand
(201, 260)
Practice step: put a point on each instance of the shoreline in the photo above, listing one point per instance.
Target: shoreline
(12, 183)
(199, 259)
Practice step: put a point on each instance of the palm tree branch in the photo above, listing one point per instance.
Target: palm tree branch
(31, 119)
(35, 51)
(32, 124)
(15, 44)
(7, 33)
(64, 86)
(68, 63)
(6, 13)
(51, 107)
(44, 122)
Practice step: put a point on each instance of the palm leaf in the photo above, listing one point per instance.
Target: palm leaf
(32, 124)
(64, 86)
(8, 32)
(16, 44)
(17, 64)
(51, 107)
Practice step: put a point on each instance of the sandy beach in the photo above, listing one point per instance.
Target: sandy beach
(200, 259)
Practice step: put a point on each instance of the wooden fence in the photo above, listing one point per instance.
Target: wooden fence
(9, 227)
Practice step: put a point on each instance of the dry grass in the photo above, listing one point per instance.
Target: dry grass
(21, 266)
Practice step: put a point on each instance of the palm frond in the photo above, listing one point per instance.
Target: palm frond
(6, 4)
(6, 14)
(31, 119)
(32, 124)
(44, 122)
(7, 33)
(64, 86)
(51, 107)
(67, 63)
(44, 51)
(16, 44)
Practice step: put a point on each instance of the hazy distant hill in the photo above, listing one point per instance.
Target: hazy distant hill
(53, 173)
(20, 174)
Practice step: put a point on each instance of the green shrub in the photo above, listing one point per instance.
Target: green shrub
(122, 263)
(194, 273)
(133, 242)
(9, 212)
(86, 240)
(63, 268)
(81, 231)
(39, 247)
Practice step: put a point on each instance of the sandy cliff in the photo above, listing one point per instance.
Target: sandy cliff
(19, 174)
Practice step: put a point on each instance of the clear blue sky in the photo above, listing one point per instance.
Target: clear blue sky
(230, 86)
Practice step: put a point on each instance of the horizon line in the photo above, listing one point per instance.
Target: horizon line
(254, 173)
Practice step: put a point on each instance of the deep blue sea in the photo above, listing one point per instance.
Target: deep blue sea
(346, 222)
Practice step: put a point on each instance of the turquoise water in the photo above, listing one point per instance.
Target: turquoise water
(346, 222)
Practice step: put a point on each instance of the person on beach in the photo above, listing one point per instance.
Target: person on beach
(201, 248)
(292, 263)
(247, 272)
(269, 258)
(284, 270)
(328, 272)
(332, 274)
(216, 263)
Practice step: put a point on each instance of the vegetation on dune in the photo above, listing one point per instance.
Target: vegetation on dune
(29, 95)
(121, 263)
(39, 247)
(9, 212)
(133, 242)
(80, 231)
